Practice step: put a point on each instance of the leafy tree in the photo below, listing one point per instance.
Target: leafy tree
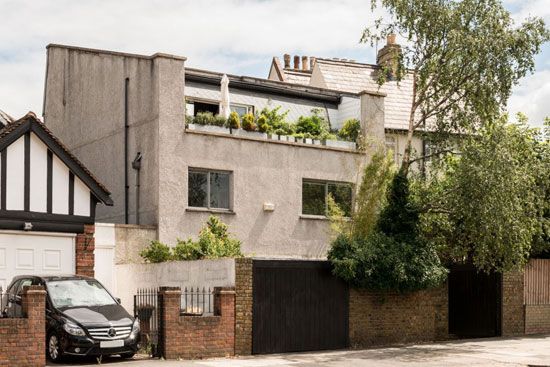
(485, 208)
(463, 57)
(379, 248)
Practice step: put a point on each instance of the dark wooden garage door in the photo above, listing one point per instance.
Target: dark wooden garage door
(298, 306)
(474, 302)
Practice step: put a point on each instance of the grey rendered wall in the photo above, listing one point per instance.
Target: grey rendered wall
(84, 107)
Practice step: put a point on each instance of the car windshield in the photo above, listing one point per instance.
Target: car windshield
(78, 293)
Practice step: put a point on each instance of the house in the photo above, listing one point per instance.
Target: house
(123, 115)
(351, 76)
(47, 203)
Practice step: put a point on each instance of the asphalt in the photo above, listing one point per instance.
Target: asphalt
(531, 351)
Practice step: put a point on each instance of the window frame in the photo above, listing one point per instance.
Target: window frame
(209, 171)
(326, 184)
(192, 100)
(249, 108)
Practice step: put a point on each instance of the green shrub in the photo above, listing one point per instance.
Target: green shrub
(234, 121)
(350, 130)
(274, 119)
(204, 118)
(187, 250)
(219, 120)
(248, 122)
(189, 119)
(156, 252)
(308, 125)
(262, 124)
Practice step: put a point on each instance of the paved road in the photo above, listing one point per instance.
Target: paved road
(527, 351)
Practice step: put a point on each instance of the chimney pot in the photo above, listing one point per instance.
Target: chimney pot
(311, 62)
(304, 63)
(286, 57)
(296, 62)
(390, 39)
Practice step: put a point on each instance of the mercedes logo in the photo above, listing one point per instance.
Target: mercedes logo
(111, 332)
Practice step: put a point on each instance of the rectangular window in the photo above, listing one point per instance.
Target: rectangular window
(241, 109)
(209, 189)
(315, 196)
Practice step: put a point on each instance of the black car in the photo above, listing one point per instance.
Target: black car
(82, 317)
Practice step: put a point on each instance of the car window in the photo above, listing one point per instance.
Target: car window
(24, 283)
(78, 293)
(13, 287)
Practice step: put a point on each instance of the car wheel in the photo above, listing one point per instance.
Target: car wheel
(55, 353)
(127, 355)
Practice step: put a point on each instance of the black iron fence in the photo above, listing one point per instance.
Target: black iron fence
(146, 308)
(197, 301)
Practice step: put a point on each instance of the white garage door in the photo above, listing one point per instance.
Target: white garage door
(23, 253)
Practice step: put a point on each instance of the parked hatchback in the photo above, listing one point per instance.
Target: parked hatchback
(82, 317)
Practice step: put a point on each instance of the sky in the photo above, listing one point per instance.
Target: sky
(232, 36)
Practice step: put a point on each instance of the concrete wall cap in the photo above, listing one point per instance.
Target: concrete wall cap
(372, 93)
(117, 53)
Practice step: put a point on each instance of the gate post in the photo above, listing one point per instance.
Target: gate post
(243, 306)
(169, 306)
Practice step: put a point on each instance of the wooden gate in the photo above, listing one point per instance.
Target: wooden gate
(298, 306)
(474, 303)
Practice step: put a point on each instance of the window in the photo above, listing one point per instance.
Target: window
(391, 144)
(194, 107)
(241, 109)
(209, 189)
(315, 194)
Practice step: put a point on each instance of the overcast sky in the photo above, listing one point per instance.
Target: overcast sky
(232, 36)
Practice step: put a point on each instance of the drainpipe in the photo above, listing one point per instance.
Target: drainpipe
(136, 164)
(126, 126)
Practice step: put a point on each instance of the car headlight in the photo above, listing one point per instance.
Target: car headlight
(73, 329)
(135, 326)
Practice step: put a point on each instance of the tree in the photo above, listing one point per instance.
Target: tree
(485, 208)
(463, 58)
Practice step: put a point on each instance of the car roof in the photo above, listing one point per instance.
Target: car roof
(50, 278)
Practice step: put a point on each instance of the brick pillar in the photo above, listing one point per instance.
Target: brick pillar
(84, 251)
(34, 308)
(513, 312)
(171, 343)
(224, 306)
(243, 306)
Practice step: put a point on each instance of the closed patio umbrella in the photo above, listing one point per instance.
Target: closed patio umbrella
(224, 103)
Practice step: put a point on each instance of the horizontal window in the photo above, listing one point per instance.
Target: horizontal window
(315, 196)
(209, 189)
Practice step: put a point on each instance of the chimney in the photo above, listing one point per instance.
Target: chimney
(311, 62)
(286, 57)
(389, 55)
(304, 63)
(296, 62)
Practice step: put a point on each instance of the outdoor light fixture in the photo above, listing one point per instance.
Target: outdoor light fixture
(28, 226)
(269, 207)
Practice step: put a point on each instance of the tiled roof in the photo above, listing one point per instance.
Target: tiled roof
(297, 77)
(32, 117)
(354, 77)
(5, 118)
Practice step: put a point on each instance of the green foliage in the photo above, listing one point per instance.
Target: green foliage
(189, 119)
(273, 118)
(350, 130)
(219, 120)
(487, 205)
(315, 124)
(157, 252)
(379, 248)
(234, 121)
(262, 124)
(248, 122)
(541, 242)
(214, 242)
(464, 56)
(207, 118)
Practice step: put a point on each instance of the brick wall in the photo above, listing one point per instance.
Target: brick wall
(243, 306)
(513, 318)
(381, 318)
(22, 340)
(191, 337)
(84, 249)
(537, 319)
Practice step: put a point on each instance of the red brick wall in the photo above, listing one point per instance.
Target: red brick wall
(190, 337)
(381, 318)
(23, 340)
(85, 245)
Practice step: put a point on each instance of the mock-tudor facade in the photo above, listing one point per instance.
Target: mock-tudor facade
(47, 203)
(124, 116)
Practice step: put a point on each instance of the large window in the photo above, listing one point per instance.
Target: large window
(315, 196)
(209, 189)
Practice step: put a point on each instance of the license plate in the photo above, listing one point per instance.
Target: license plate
(111, 344)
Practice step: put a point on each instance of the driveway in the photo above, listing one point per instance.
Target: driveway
(526, 351)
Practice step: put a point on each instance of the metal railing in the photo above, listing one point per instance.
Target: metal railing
(146, 308)
(197, 302)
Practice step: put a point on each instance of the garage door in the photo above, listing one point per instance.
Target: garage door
(24, 253)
